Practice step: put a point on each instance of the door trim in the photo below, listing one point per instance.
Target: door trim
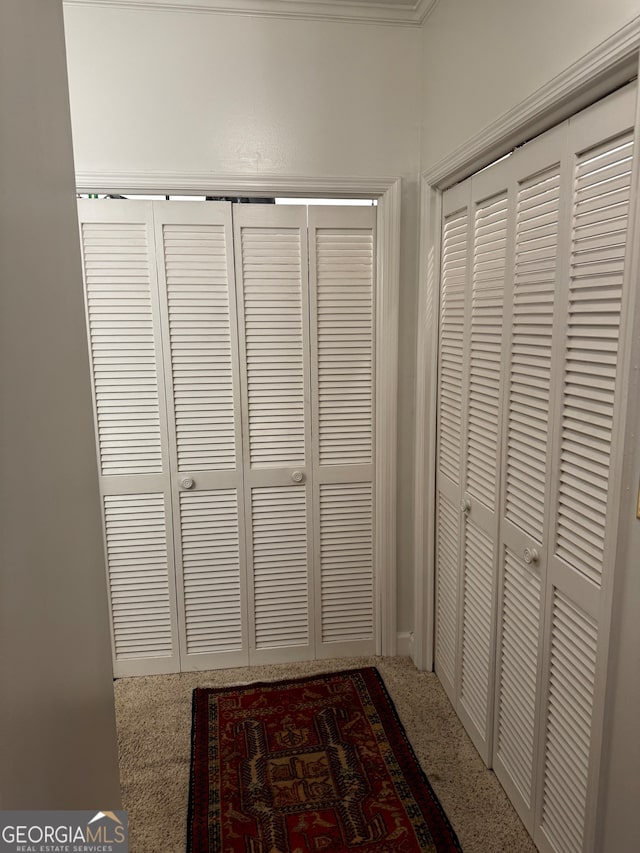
(387, 191)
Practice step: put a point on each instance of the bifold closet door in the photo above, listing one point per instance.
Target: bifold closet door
(539, 184)
(477, 240)
(123, 318)
(235, 415)
(540, 510)
(272, 291)
(342, 303)
(587, 459)
(490, 246)
(557, 524)
(453, 354)
(201, 365)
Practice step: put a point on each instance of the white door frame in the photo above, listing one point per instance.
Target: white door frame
(610, 65)
(387, 191)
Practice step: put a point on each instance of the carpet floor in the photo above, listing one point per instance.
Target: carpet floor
(154, 731)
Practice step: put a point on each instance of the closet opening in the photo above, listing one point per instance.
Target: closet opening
(237, 409)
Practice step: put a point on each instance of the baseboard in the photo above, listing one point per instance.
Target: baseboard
(405, 644)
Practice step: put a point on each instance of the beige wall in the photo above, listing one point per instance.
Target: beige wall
(57, 727)
(184, 92)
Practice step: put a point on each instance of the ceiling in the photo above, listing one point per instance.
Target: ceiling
(397, 12)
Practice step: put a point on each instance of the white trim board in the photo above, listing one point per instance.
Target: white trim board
(199, 183)
(405, 644)
(388, 192)
(411, 13)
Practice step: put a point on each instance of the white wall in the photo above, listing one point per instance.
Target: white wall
(57, 728)
(185, 92)
(480, 60)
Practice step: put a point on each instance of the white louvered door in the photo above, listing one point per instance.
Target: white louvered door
(587, 455)
(455, 304)
(196, 275)
(491, 247)
(126, 361)
(272, 291)
(544, 507)
(538, 173)
(342, 304)
(238, 480)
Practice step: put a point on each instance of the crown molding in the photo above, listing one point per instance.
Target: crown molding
(408, 14)
(423, 9)
(612, 63)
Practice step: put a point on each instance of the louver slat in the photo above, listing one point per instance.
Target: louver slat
(448, 532)
(138, 575)
(476, 636)
(518, 660)
(344, 281)
(568, 731)
(123, 348)
(346, 561)
(271, 280)
(200, 342)
(600, 213)
(211, 571)
(490, 233)
(531, 334)
(452, 302)
(280, 566)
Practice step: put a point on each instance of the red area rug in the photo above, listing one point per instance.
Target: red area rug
(311, 764)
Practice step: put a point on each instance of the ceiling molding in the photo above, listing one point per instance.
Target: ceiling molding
(612, 63)
(424, 8)
(407, 13)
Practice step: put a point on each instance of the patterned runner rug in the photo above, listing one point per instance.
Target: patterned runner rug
(312, 764)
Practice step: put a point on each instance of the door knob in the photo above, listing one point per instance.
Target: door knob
(188, 483)
(297, 476)
(531, 555)
(465, 504)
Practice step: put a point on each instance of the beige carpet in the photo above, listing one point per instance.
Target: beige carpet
(154, 728)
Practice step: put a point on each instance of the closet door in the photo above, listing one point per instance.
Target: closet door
(586, 460)
(272, 290)
(554, 217)
(453, 358)
(196, 276)
(126, 362)
(342, 302)
(534, 286)
(477, 247)
(482, 385)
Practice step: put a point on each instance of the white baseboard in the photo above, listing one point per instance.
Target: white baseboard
(405, 644)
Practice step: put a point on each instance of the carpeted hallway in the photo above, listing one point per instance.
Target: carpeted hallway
(154, 727)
